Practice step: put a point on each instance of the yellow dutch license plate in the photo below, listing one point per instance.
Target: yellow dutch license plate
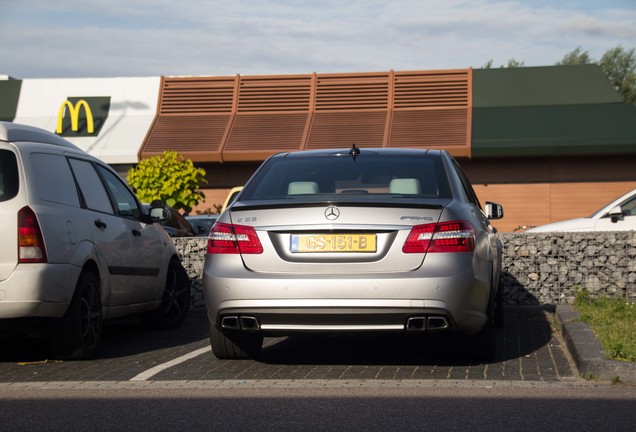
(333, 243)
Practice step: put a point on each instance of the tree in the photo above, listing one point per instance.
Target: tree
(169, 178)
(576, 57)
(619, 65)
(512, 63)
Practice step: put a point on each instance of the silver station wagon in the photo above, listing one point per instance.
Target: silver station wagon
(354, 240)
(78, 247)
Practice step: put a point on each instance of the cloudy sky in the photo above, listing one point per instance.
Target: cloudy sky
(87, 38)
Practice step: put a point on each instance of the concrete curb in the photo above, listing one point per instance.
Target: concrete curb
(587, 352)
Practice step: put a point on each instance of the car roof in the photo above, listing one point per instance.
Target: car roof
(15, 133)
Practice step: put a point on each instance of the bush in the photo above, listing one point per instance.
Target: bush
(169, 178)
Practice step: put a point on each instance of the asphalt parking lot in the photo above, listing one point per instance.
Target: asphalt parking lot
(529, 350)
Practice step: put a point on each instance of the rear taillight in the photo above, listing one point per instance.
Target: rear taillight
(233, 239)
(30, 242)
(455, 236)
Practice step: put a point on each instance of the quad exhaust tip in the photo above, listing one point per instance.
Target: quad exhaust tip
(233, 322)
(249, 323)
(424, 323)
(436, 323)
(427, 323)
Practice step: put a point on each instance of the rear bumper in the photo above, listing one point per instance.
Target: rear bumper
(292, 318)
(38, 290)
(282, 303)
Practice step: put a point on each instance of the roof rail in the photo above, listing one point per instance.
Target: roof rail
(15, 132)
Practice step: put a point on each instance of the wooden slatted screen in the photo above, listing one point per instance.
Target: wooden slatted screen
(357, 92)
(272, 116)
(274, 93)
(341, 129)
(434, 89)
(432, 109)
(247, 118)
(194, 117)
(349, 108)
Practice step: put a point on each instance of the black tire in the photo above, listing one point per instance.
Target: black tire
(77, 336)
(479, 347)
(484, 342)
(175, 301)
(235, 345)
(499, 307)
(499, 297)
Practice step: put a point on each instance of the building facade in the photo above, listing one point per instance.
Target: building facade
(548, 143)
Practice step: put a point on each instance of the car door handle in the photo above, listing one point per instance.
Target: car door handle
(136, 233)
(99, 224)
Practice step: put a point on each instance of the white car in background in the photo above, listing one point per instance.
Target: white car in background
(78, 247)
(619, 215)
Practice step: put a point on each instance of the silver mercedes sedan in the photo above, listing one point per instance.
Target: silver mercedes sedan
(354, 240)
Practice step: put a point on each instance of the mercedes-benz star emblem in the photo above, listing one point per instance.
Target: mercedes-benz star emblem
(332, 213)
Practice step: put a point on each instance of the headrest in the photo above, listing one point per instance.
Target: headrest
(302, 187)
(408, 186)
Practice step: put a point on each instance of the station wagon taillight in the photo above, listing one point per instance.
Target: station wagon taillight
(454, 236)
(30, 242)
(233, 239)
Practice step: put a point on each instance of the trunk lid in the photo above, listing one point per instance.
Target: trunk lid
(359, 238)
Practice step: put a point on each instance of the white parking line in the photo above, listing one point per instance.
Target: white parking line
(155, 370)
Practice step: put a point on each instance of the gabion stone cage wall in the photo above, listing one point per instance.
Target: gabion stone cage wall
(550, 267)
(192, 251)
(542, 268)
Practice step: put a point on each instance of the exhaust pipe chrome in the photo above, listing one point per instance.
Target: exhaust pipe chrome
(230, 322)
(233, 322)
(427, 323)
(249, 323)
(436, 323)
(416, 324)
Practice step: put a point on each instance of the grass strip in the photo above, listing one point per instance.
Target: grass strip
(613, 321)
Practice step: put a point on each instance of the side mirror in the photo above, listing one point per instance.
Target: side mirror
(159, 212)
(616, 213)
(493, 210)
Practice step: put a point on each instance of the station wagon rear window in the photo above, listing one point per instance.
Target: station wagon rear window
(9, 180)
(54, 180)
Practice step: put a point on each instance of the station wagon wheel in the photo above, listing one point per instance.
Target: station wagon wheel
(234, 345)
(78, 334)
(175, 301)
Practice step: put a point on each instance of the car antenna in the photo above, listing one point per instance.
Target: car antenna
(355, 151)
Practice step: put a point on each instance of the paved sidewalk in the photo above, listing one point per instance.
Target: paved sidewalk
(530, 350)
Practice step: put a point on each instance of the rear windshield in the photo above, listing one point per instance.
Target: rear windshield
(8, 175)
(367, 177)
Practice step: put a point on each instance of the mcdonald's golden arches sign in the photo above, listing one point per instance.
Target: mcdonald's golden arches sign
(82, 116)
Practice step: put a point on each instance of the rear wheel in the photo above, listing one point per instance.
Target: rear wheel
(484, 342)
(499, 308)
(481, 346)
(175, 301)
(234, 345)
(78, 334)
